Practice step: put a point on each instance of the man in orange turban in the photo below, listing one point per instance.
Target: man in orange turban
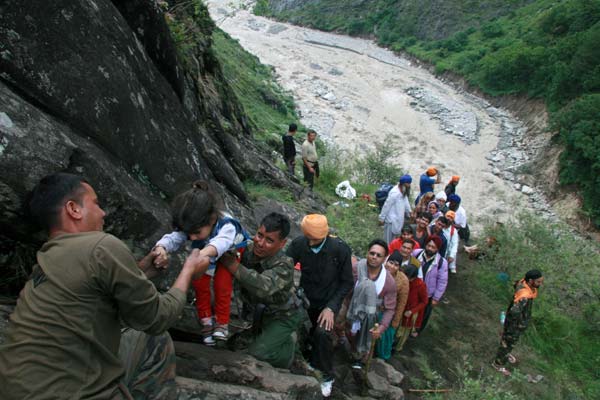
(450, 188)
(427, 181)
(326, 278)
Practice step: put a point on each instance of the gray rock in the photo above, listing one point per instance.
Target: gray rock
(276, 29)
(192, 389)
(204, 363)
(527, 190)
(386, 371)
(113, 101)
(329, 96)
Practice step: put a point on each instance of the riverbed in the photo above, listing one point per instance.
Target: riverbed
(356, 94)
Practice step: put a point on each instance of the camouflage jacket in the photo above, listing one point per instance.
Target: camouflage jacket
(519, 310)
(267, 281)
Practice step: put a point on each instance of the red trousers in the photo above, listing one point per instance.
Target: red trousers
(222, 286)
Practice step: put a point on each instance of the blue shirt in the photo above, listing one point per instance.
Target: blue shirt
(426, 184)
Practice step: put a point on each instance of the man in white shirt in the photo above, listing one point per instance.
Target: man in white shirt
(395, 208)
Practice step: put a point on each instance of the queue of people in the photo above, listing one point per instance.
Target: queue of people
(88, 291)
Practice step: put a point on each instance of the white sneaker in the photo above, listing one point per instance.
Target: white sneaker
(326, 387)
(453, 271)
(208, 340)
(221, 332)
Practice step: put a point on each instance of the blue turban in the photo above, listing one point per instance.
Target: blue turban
(405, 179)
(454, 198)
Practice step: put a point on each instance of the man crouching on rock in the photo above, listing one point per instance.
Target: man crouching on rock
(64, 339)
(266, 277)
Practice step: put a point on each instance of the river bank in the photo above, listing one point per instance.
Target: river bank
(356, 94)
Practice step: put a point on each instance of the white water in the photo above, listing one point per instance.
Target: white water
(355, 94)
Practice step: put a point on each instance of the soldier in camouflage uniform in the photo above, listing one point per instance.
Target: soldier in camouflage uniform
(266, 277)
(517, 318)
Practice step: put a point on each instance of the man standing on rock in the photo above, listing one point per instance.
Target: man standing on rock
(64, 338)
(310, 166)
(289, 149)
(326, 269)
(266, 277)
(395, 208)
(517, 318)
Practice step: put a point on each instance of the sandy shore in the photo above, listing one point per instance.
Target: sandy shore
(355, 94)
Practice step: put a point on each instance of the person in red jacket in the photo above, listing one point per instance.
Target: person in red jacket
(407, 234)
(415, 305)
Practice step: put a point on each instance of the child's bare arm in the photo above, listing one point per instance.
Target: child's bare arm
(209, 250)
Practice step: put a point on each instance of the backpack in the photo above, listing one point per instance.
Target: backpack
(381, 194)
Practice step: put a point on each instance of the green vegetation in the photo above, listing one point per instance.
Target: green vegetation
(257, 190)
(355, 220)
(543, 48)
(567, 312)
(269, 109)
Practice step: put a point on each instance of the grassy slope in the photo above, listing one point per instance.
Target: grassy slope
(545, 49)
(560, 343)
(269, 108)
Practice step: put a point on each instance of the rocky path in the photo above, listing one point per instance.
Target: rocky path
(356, 94)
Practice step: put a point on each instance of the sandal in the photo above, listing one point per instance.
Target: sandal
(511, 359)
(501, 369)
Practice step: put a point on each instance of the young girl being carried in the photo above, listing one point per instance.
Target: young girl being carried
(198, 216)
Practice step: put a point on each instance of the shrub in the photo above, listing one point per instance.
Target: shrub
(377, 165)
(578, 125)
(510, 69)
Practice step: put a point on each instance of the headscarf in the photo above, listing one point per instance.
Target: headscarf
(315, 226)
(431, 171)
(455, 179)
(441, 195)
(405, 179)
(434, 203)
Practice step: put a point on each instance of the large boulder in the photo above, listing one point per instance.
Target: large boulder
(232, 368)
(102, 89)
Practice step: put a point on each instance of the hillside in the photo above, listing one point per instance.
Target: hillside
(541, 49)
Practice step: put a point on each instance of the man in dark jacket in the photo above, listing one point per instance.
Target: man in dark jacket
(326, 279)
(517, 318)
(289, 149)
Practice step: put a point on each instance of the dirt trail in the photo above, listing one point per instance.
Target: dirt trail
(355, 94)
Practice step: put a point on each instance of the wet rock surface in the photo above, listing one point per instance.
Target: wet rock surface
(112, 100)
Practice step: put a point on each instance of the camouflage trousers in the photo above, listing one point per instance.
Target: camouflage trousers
(278, 341)
(510, 336)
(149, 363)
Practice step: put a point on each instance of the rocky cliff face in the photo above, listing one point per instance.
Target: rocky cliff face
(101, 89)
